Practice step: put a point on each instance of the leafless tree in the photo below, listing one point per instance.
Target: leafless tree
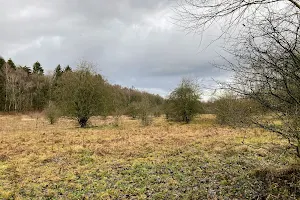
(266, 54)
(198, 15)
(266, 68)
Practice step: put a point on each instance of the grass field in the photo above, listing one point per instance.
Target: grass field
(163, 161)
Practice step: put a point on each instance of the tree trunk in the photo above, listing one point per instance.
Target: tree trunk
(83, 121)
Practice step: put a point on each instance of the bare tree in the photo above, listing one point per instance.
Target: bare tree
(266, 68)
(266, 54)
(198, 15)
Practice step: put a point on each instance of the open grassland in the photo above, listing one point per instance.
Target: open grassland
(163, 161)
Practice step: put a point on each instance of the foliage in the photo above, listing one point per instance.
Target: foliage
(23, 89)
(136, 101)
(37, 68)
(81, 93)
(2, 83)
(58, 72)
(68, 69)
(116, 104)
(11, 64)
(158, 111)
(2, 62)
(40, 91)
(184, 102)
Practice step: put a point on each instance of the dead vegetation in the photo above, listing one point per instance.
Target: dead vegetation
(162, 161)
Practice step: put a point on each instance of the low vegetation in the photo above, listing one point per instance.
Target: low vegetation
(165, 160)
(52, 113)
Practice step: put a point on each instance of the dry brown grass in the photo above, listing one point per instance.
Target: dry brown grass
(35, 154)
(23, 136)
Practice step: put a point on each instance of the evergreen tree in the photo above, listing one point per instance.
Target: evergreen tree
(58, 72)
(37, 68)
(41, 91)
(2, 62)
(68, 69)
(11, 64)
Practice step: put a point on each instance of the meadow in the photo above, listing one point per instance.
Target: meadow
(165, 160)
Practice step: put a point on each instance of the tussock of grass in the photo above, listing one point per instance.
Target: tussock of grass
(161, 161)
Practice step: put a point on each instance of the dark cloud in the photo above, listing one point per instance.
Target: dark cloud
(133, 42)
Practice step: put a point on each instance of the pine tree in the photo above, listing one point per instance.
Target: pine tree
(11, 64)
(37, 68)
(68, 69)
(58, 72)
(2, 62)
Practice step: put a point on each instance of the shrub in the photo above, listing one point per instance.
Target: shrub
(234, 111)
(132, 110)
(144, 111)
(82, 93)
(184, 102)
(52, 113)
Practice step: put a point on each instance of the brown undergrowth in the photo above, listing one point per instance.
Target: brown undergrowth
(162, 161)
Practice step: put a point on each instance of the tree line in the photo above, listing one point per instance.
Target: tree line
(82, 93)
(22, 89)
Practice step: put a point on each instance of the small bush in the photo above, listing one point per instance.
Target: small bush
(52, 113)
(132, 110)
(117, 120)
(146, 120)
(144, 111)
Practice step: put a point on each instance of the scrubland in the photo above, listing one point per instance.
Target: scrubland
(165, 160)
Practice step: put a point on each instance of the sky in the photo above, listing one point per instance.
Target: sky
(132, 42)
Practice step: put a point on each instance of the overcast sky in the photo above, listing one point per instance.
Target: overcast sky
(134, 42)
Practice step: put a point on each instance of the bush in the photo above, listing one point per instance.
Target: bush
(234, 111)
(157, 111)
(184, 102)
(144, 111)
(132, 110)
(82, 93)
(52, 113)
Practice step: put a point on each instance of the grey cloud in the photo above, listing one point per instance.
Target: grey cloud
(132, 41)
